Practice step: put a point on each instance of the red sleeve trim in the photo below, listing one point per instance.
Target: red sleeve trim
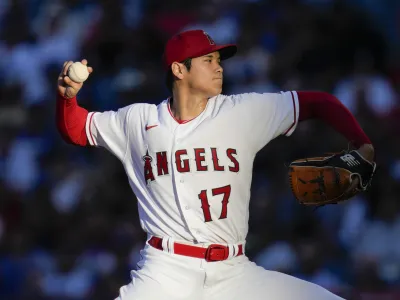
(294, 115)
(90, 129)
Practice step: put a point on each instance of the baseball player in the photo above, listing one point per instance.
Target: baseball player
(189, 162)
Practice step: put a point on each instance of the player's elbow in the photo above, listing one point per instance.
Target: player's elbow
(77, 138)
(72, 128)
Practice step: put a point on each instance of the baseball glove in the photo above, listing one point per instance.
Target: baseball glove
(325, 180)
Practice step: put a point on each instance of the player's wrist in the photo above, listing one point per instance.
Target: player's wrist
(367, 151)
(66, 102)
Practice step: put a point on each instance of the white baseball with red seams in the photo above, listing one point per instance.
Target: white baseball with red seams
(192, 181)
(78, 72)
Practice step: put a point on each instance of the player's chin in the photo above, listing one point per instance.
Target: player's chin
(214, 93)
(216, 90)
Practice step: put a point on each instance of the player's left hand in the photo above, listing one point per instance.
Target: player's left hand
(367, 152)
(331, 179)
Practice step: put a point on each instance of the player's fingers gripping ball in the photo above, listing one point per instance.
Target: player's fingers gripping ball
(78, 72)
(325, 180)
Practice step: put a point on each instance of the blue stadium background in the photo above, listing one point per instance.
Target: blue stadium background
(68, 220)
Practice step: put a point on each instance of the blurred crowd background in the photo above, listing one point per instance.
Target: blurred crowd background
(69, 228)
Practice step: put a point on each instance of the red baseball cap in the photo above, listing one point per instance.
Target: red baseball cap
(191, 44)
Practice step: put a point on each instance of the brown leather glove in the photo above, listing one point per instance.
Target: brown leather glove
(325, 180)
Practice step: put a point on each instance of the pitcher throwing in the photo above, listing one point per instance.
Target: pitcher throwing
(189, 162)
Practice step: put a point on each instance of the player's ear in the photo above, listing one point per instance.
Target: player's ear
(177, 69)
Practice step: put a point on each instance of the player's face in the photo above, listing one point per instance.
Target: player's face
(206, 75)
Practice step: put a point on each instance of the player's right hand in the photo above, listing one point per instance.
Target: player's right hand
(65, 86)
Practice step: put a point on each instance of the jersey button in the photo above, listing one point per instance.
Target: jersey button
(187, 207)
(182, 181)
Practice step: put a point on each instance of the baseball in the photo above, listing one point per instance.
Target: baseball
(78, 72)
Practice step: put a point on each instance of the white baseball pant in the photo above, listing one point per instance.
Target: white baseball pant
(167, 276)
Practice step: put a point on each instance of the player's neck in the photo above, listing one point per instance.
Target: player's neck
(185, 107)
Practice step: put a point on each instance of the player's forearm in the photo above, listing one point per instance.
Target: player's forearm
(71, 120)
(328, 108)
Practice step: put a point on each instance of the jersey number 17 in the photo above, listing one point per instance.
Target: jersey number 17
(225, 191)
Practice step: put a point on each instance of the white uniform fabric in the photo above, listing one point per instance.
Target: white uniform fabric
(162, 275)
(213, 153)
(192, 182)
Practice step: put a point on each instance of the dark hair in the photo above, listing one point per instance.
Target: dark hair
(170, 78)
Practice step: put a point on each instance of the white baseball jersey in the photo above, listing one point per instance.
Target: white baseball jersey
(192, 180)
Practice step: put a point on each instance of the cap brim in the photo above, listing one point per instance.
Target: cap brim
(226, 51)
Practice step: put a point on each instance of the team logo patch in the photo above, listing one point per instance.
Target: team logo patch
(148, 170)
(350, 160)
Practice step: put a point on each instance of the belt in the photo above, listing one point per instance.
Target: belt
(214, 252)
